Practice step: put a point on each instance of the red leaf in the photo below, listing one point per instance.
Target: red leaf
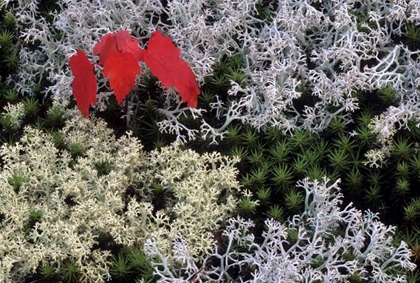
(120, 41)
(84, 82)
(125, 43)
(121, 68)
(162, 57)
(104, 47)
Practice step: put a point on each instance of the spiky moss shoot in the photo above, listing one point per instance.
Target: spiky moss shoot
(159, 143)
(48, 272)
(263, 195)
(246, 181)
(6, 39)
(339, 160)
(258, 176)
(17, 180)
(54, 118)
(280, 151)
(292, 235)
(413, 129)
(58, 139)
(356, 278)
(160, 196)
(236, 75)
(337, 125)
(294, 201)
(120, 268)
(205, 98)
(353, 181)
(300, 165)
(301, 139)
(412, 36)
(265, 10)
(411, 214)
(373, 196)
(282, 177)
(70, 271)
(239, 151)
(76, 149)
(315, 172)
(256, 156)
(364, 135)
(276, 212)
(364, 118)
(415, 250)
(387, 94)
(9, 20)
(250, 138)
(322, 147)
(233, 135)
(10, 95)
(219, 82)
(311, 156)
(317, 262)
(103, 167)
(374, 177)
(273, 135)
(11, 60)
(415, 164)
(8, 124)
(139, 263)
(246, 206)
(31, 106)
(402, 188)
(402, 169)
(345, 142)
(413, 276)
(34, 216)
(402, 149)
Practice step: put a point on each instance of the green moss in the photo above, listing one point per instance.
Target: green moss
(337, 125)
(6, 39)
(120, 268)
(17, 180)
(412, 36)
(70, 271)
(103, 167)
(402, 149)
(10, 95)
(34, 216)
(48, 272)
(276, 212)
(263, 195)
(31, 106)
(402, 188)
(9, 20)
(294, 201)
(246, 206)
(11, 60)
(140, 263)
(54, 118)
(339, 160)
(282, 176)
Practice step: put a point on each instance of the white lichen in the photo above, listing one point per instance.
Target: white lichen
(326, 243)
(78, 204)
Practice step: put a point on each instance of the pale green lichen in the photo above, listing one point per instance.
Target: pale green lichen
(37, 176)
(12, 116)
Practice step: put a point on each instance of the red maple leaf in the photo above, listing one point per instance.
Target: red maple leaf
(120, 41)
(84, 82)
(120, 54)
(122, 69)
(162, 57)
